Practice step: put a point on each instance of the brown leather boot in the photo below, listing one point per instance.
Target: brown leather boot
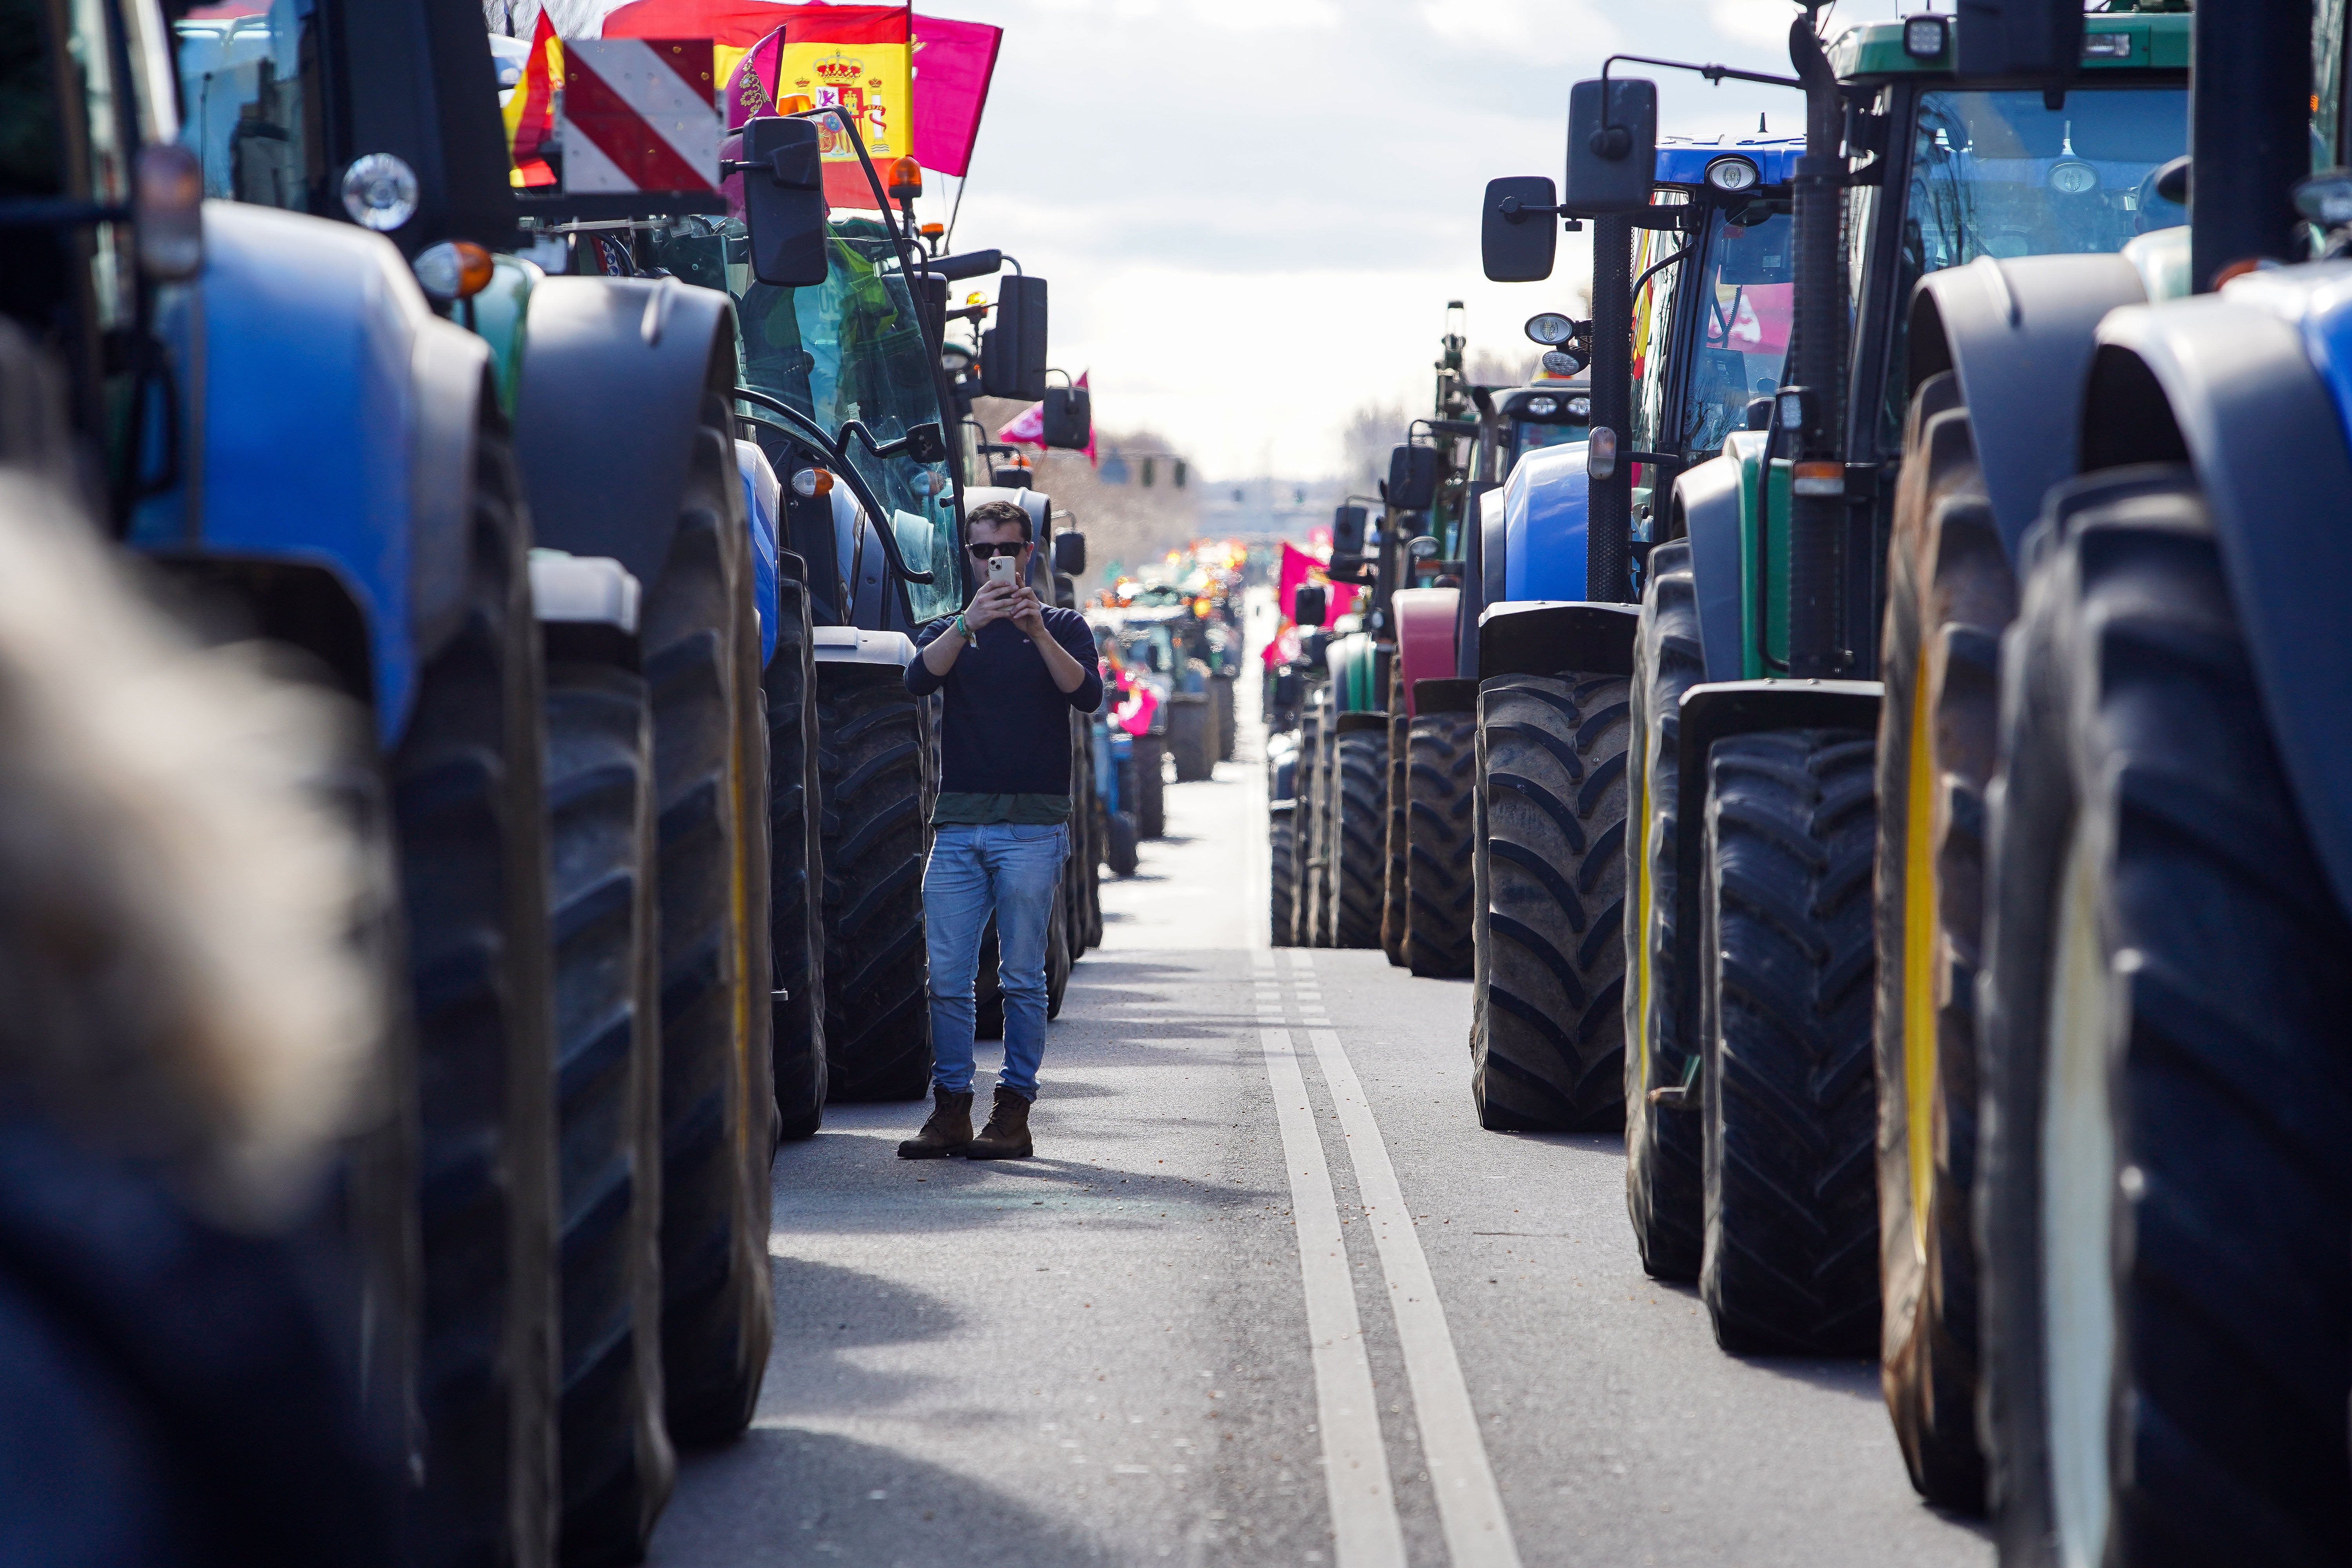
(1006, 1136)
(949, 1131)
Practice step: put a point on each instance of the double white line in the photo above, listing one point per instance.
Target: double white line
(1356, 1469)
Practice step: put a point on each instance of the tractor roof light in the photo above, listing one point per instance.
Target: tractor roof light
(454, 269)
(795, 103)
(1926, 38)
(1551, 329)
(1543, 407)
(1733, 174)
(1559, 365)
(380, 191)
(906, 180)
(1580, 408)
(2073, 177)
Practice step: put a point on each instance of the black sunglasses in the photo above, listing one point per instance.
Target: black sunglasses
(989, 552)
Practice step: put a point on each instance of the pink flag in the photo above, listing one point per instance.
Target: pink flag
(1026, 428)
(751, 87)
(1297, 568)
(953, 62)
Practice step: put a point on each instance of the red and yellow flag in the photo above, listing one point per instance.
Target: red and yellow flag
(531, 108)
(860, 59)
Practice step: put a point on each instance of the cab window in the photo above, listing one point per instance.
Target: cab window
(251, 84)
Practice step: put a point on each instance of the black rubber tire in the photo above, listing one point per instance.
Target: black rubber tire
(617, 1460)
(876, 750)
(1789, 1258)
(1359, 822)
(1547, 1024)
(1057, 962)
(1119, 844)
(702, 661)
(1665, 1137)
(1282, 879)
(470, 828)
(1229, 729)
(1191, 737)
(1442, 777)
(1304, 848)
(1396, 859)
(1323, 868)
(2138, 775)
(1078, 868)
(1950, 594)
(1151, 786)
(796, 869)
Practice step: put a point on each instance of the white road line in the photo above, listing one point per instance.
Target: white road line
(1469, 1506)
(1364, 1529)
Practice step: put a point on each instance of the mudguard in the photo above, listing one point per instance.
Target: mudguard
(1348, 661)
(617, 374)
(2257, 382)
(1546, 636)
(763, 504)
(1543, 508)
(1426, 619)
(853, 645)
(2019, 335)
(1493, 563)
(1705, 508)
(331, 424)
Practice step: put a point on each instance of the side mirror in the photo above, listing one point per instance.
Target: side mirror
(927, 443)
(1348, 531)
(1070, 553)
(1289, 689)
(1519, 232)
(1612, 147)
(1413, 477)
(965, 264)
(2019, 38)
(1307, 604)
(1069, 417)
(783, 202)
(1759, 414)
(1012, 353)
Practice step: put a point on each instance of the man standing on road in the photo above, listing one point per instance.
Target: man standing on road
(1013, 668)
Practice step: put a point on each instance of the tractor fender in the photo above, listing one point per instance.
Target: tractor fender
(330, 423)
(764, 503)
(1706, 509)
(1543, 508)
(1720, 708)
(2254, 386)
(1544, 637)
(1494, 565)
(2019, 334)
(855, 645)
(1424, 620)
(617, 377)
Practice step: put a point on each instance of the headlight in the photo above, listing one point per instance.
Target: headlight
(1551, 328)
(1581, 406)
(1925, 38)
(380, 191)
(1732, 174)
(1543, 407)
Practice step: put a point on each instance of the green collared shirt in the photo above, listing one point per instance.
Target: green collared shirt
(954, 810)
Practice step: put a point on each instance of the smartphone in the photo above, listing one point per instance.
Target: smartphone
(1002, 567)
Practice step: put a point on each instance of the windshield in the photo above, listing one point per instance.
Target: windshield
(1527, 434)
(250, 84)
(2002, 173)
(851, 347)
(1744, 301)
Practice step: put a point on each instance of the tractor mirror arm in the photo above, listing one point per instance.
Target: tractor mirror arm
(834, 450)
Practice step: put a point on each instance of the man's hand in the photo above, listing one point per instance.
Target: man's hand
(1029, 615)
(994, 602)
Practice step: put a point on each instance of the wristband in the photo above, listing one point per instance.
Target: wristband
(963, 629)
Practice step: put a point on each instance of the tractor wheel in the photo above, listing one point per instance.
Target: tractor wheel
(1665, 1138)
(1303, 848)
(1547, 1027)
(876, 759)
(1151, 786)
(1324, 867)
(617, 1460)
(1057, 962)
(796, 868)
(1118, 844)
(1359, 820)
(701, 645)
(1099, 850)
(1221, 694)
(2165, 1089)
(470, 824)
(1949, 596)
(1077, 871)
(1442, 776)
(1395, 863)
(1789, 1260)
(1192, 736)
(1280, 828)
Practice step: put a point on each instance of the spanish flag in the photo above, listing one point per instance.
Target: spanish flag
(530, 109)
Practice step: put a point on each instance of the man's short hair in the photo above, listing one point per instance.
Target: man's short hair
(997, 514)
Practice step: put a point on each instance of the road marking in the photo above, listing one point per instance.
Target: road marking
(1364, 1529)
(1469, 1506)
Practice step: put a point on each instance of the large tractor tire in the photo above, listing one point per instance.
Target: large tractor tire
(1229, 729)
(1057, 963)
(616, 1459)
(1151, 786)
(796, 868)
(1395, 863)
(1078, 870)
(1119, 838)
(701, 639)
(1951, 594)
(2166, 1083)
(1280, 831)
(1789, 1260)
(1191, 737)
(1360, 821)
(470, 826)
(1664, 1139)
(1324, 866)
(1547, 1026)
(876, 753)
(1304, 884)
(1441, 780)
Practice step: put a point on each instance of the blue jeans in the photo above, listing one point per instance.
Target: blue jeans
(1017, 872)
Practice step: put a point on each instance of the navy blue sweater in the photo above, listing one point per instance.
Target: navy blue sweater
(1005, 726)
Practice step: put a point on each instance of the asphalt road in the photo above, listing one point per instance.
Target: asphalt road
(1157, 1340)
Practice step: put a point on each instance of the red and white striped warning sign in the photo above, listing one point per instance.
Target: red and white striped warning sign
(640, 114)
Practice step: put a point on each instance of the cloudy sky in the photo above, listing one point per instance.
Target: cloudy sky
(1253, 212)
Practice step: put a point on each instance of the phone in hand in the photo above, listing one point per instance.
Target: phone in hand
(1001, 568)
